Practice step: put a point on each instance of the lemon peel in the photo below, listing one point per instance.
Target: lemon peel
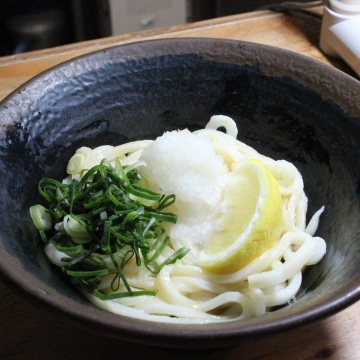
(250, 222)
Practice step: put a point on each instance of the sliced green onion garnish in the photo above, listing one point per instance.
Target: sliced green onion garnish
(145, 202)
(76, 164)
(75, 230)
(105, 213)
(99, 272)
(70, 250)
(41, 217)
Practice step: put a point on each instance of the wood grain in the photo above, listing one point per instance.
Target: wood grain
(28, 332)
(299, 34)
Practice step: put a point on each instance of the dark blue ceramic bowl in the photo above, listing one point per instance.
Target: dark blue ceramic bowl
(286, 106)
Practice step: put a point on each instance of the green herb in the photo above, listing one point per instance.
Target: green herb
(106, 212)
(40, 217)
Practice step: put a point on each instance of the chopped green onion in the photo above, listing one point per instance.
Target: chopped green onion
(76, 164)
(41, 217)
(99, 272)
(145, 202)
(70, 250)
(105, 214)
(76, 231)
(43, 236)
(82, 256)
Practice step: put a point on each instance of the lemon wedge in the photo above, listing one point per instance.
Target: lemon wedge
(250, 221)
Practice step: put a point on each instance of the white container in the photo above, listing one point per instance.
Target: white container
(340, 31)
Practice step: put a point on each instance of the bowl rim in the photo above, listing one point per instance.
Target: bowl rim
(153, 333)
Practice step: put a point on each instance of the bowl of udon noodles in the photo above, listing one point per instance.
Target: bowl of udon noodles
(183, 193)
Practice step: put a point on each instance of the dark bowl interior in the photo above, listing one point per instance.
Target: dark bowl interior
(286, 106)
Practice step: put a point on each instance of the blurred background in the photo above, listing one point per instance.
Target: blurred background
(27, 25)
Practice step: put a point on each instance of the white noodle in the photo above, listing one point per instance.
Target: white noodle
(55, 255)
(219, 121)
(314, 222)
(186, 293)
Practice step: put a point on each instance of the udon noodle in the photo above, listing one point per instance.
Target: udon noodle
(185, 292)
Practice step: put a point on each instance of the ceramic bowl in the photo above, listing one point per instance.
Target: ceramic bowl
(287, 106)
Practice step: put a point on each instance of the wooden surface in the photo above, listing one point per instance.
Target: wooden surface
(299, 34)
(27, 332)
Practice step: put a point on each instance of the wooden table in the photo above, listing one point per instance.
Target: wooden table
(27, 332)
